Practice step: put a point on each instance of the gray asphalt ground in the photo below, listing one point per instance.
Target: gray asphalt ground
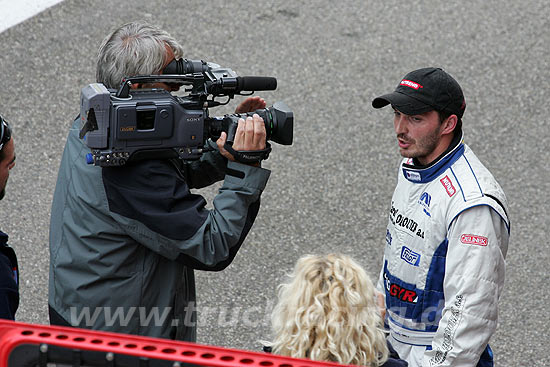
(330, 191)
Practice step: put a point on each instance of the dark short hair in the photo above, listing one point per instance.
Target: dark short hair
(5, 136)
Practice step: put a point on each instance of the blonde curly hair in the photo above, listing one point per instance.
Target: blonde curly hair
(328, 312)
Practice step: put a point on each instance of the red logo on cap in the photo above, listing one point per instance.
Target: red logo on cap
(411, 84)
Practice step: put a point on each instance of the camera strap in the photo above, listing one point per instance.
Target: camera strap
(249, 156)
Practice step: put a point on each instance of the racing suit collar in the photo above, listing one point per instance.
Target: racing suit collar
(422, 174)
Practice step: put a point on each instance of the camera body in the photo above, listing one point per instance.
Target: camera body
(149, 121)
(132, 124)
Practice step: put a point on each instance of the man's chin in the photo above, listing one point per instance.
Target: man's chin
(406, 153)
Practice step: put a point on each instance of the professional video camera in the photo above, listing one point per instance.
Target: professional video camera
(132, 124)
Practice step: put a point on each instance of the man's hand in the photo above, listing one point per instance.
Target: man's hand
(381, 303)
(250, 104)
(250, 136)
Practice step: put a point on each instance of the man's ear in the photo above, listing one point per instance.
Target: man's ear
(449, 125)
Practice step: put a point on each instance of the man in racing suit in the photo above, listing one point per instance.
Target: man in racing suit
(124, 241)
(447, 234)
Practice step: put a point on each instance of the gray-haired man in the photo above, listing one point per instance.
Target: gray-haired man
(124, 241)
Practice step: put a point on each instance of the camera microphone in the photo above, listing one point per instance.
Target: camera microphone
(220, 83)
(242, 83)
(255, 83)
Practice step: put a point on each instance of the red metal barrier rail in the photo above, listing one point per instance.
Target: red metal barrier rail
(73, 341)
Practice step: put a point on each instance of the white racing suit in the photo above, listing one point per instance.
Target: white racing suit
(443, 267)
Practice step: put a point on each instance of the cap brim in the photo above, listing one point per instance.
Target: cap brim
(402, 103)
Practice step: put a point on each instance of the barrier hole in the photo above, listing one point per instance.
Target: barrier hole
(227, 358)
(188, 353)
(27, 332)
(79, 339)
(285, 365)
(247, 361)
(207, 356)
(149, 348)
(62, 337)
(113, 344)
(96, 341)
(130, 346)
(168, 350)
(266, 363)
(44, 335)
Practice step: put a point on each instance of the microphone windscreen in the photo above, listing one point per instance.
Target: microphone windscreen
(255, 83)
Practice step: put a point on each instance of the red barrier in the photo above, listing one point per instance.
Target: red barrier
(82, 347)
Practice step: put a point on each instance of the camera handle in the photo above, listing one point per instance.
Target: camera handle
(124, 89)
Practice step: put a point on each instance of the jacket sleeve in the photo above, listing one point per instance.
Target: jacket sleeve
(9, 293)
(210, 168)
(153, 205)
(474, 276)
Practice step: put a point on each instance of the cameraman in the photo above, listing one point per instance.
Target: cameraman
(9, 288)
(124, 241)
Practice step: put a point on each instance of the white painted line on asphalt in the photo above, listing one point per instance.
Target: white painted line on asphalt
(13, 12)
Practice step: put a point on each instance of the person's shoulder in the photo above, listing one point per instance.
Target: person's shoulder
(3, 238)
(475, 178)
(473, 163)
(469, 184)
(471, 173)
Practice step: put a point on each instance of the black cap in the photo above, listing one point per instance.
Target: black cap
(425, 90)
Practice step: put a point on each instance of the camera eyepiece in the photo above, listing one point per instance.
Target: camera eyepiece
(185, 66)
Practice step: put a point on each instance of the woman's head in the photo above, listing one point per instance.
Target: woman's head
(327, 311)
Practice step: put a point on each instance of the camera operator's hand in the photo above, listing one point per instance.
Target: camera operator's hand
(250, 104)
(250, 136)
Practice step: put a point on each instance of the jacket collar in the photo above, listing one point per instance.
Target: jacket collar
(422, 174)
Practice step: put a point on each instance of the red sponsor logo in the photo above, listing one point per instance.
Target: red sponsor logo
(403, 294)
(448, 185)
(472, 239)
(409, 83)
